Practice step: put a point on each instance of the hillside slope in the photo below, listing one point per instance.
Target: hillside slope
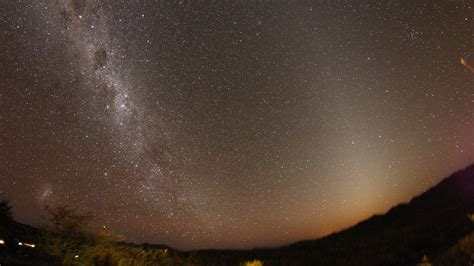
(428, 225)
(435, 224)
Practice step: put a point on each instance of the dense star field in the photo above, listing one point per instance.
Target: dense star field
(231, 124)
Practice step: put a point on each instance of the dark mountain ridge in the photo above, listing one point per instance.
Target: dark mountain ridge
(453, 194)
(429, 224)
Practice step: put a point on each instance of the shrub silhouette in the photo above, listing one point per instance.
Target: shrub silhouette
(5, 210)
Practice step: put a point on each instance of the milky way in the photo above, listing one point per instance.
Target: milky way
(87, 27)
(208, 124)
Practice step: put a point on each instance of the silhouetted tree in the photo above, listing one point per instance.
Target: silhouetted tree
(5, 210)
(65, 219)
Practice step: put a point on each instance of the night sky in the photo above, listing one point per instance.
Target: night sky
(231, 124)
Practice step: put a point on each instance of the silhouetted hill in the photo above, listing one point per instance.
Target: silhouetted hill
(12, 233)
(52, 248)
(435, 224)
(428, 225)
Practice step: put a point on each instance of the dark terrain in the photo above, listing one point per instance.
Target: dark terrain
(436, 224)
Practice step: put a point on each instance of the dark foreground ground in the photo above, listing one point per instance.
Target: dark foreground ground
(436, 224)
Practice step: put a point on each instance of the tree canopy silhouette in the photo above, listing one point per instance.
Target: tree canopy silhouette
(5, 210)
(67, 219)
